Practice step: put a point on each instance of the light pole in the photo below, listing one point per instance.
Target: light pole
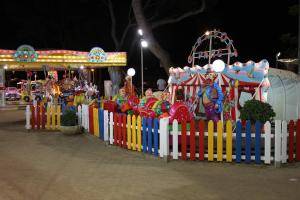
(143, 44)
(277, 56)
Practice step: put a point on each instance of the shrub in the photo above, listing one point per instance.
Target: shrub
(255, 110)
(69, 118)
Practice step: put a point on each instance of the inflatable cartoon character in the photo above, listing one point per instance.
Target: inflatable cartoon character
(212, 97)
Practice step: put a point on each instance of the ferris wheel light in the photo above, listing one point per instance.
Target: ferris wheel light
(218, 65)
(130, 72)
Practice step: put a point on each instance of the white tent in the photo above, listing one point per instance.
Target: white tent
(284, 94)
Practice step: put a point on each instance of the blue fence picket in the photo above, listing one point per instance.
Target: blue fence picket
(238, 142)
(144, 135)
(257, 142)
(248, 141)
(156, 122)
(102, 124)
(149, 135)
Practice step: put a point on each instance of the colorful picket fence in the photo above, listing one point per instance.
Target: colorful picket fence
(40, 116)
(212, 143)
(258, 143)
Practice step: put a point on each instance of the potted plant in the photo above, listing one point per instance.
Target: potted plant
(69, 123)
(255, 110)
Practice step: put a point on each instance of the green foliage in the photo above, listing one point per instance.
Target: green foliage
(255, 110)
(69, 118)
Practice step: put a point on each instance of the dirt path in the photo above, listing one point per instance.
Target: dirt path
(51, 166)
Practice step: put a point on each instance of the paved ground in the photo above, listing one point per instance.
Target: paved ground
(51, 166)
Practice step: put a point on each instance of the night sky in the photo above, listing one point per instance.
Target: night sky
(255, 27)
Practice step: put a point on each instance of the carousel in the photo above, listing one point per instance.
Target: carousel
(27, 59)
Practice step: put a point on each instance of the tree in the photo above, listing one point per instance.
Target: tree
(148, 16)
(148, 24)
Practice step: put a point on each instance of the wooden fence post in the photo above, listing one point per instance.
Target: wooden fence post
(96, 122)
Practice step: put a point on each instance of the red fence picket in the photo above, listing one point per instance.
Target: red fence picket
(120, 130)
(91, 120)
(115, 128)
(298, 141)
(291, 141)
(201, 140)
(124, 132)
(192, 140)
(43, 118)
(38, 116)
(32, 117)
(183, 140)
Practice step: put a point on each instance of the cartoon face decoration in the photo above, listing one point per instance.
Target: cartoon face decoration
(122, 92)
(149, 92)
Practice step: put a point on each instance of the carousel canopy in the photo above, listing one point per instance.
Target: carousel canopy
(248, 74)
(26, 58)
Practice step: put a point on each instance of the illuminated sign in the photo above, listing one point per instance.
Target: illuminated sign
(97, 55)
(25, 53)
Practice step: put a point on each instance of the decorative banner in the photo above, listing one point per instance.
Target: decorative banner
(25, 53)
(97, 55)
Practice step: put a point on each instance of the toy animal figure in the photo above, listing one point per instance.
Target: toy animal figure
(212, 98)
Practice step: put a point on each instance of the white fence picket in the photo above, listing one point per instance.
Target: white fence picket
(164, 137)
(111, 128)
(277, 143)
(284, 142)
(28, 115)
(267, 135)
(79, 114)
(175, 139)
(105, 113)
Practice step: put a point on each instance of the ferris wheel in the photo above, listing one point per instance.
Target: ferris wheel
(198, 53)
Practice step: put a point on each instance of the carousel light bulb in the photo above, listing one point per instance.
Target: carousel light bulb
(92, 70)
(81, 67)
(218, 65)
(207, 33)
(130, 72)
(5, 67)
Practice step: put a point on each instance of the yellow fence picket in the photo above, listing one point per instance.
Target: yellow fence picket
(229, 141)
(220, 141)
(53, 116)
(139, 134)
(128, 131)
(58, 116)
(210, 141)
(48, 118)
(96, 122)
(133, 132)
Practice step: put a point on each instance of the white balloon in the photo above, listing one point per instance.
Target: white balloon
(218, 65)
(130, 72)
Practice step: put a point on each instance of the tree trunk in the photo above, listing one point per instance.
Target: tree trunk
(154, 46)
